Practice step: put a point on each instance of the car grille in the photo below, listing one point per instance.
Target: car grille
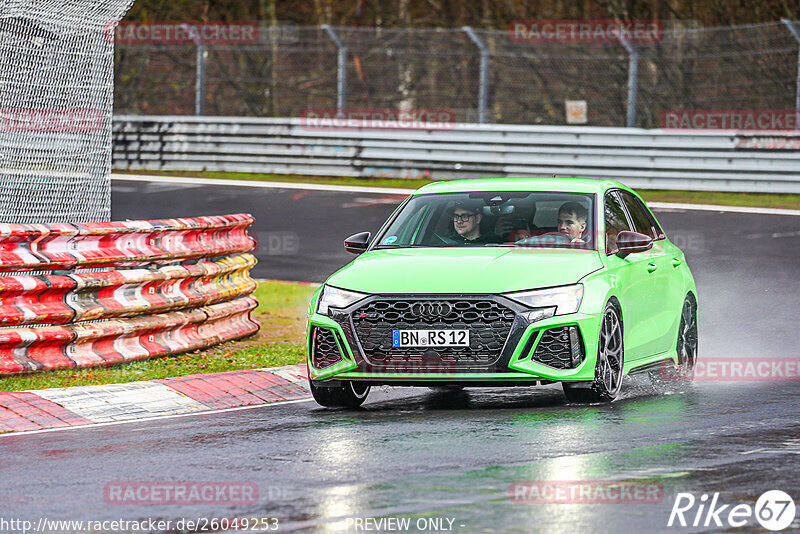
(324, 352)
(553, 349)
(489, 323)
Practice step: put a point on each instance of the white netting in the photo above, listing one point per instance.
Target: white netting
(56, 96)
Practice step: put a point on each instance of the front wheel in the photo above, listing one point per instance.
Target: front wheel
(349, 395)
(609, 368)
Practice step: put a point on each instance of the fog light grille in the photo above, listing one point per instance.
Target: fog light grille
(324, 350)
(560, 348)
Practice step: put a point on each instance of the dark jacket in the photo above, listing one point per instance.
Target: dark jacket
(480, 240)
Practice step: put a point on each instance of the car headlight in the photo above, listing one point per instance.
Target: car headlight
(333, 297)
(551, 301)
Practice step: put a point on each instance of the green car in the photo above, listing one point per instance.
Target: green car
(506, 282)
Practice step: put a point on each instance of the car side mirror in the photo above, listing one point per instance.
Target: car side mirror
(357, 243)
(632, 242)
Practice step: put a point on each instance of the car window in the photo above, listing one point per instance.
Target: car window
(659, 232)
(616, 221)
(495, 218)
(642, 222)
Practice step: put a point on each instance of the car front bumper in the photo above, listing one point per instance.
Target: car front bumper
(520, 361)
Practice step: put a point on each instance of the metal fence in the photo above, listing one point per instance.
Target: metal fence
(652, 159)
(482, 76)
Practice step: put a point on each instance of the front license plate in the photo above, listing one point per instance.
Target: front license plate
(430, 338)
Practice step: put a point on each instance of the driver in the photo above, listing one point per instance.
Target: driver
(572, 221)
(467, 226)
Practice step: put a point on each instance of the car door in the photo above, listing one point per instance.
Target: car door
(632, 279)
(668, 283)
(662, 287)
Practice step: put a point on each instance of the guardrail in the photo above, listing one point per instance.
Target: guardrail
(656, 159)
(28, 247)
(152, 310)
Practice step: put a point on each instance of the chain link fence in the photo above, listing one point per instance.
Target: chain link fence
(480, 76)
(56, 97)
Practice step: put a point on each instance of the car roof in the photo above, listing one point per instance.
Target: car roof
(566, 185)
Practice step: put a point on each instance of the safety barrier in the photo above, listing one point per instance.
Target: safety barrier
(118, 340)
(152, 310)
(29, 247)
(662, 159)
(60, 299)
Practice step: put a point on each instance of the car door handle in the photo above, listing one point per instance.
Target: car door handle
(676, 262)
(651, 267)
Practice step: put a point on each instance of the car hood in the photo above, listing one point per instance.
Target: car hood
(464, 270)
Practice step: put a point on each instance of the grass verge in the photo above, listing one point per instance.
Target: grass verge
(760, 200)
(280, 341)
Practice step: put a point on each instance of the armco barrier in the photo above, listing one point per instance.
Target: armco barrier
(35, 247)
(118, 340)
(661, 159)
(152, 310)
(60, 299)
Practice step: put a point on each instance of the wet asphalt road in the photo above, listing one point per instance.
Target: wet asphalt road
(422, 455)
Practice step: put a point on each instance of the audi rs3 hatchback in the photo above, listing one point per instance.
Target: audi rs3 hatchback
(505, 282)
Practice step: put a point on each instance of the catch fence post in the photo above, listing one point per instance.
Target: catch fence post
(341, 67)
(483, 83)
(200, 80)
(633, 80)
(796, 34)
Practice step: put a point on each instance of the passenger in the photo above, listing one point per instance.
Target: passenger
(572, 221)
(467, 226)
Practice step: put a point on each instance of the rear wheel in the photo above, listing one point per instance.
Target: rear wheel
(685, 347)
(687, 339)
(348, 395)
(608, 370)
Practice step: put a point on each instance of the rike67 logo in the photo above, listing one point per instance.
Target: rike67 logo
(774, 510)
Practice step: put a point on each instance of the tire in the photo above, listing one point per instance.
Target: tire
(349, 395)
(608, 371)
(685, 347)
(687, 339)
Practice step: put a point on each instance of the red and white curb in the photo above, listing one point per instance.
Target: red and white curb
(23, 411)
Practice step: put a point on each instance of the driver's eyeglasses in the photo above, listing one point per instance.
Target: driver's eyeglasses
(463, 217)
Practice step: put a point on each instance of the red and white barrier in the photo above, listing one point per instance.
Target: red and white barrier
(140, 312)
(60, 299)
(37, 247)
(119, 340)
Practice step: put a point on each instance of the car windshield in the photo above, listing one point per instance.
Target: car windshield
(495, 218)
